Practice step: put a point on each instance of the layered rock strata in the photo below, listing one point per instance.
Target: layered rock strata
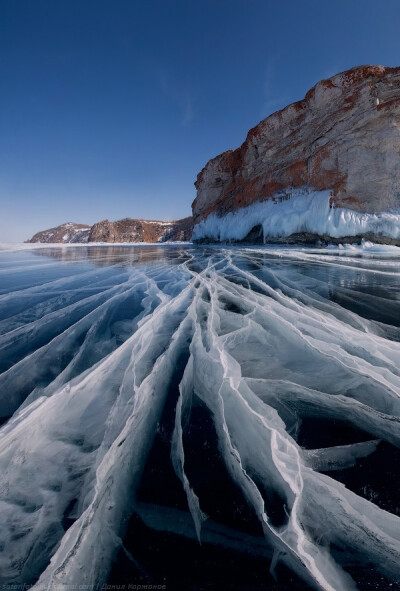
(343, 137)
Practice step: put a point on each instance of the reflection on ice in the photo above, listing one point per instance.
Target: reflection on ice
(220, 395)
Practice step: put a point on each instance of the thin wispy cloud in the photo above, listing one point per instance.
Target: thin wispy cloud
(179, 95)
(272, 101)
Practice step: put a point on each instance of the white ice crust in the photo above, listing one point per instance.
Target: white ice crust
(302, 212)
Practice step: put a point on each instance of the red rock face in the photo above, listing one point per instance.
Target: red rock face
(344, 136)
(132, 230)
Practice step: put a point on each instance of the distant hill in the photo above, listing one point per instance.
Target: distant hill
(126, 230)
(69, 232)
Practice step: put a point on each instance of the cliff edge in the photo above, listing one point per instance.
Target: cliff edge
(326, 165)
(133, 230)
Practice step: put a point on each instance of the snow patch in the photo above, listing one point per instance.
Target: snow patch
(160, 223)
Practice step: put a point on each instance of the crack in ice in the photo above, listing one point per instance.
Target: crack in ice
(266, 346)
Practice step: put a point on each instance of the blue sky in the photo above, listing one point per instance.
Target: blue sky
(110, 108)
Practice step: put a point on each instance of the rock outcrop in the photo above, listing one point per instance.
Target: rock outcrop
(343, 137)
(127, 230)
(132, 230)
(69, 232)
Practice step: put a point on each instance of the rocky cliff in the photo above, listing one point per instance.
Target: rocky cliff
(341, 143)
(132, 230)
(127, 230)
(69, 232)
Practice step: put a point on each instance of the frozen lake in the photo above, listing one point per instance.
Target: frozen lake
(155, 396)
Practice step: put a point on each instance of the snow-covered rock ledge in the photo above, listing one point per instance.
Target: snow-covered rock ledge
(299, 217)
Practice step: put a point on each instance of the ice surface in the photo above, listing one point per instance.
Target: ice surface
(96, 353)
(302, 212)
(339, 456)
